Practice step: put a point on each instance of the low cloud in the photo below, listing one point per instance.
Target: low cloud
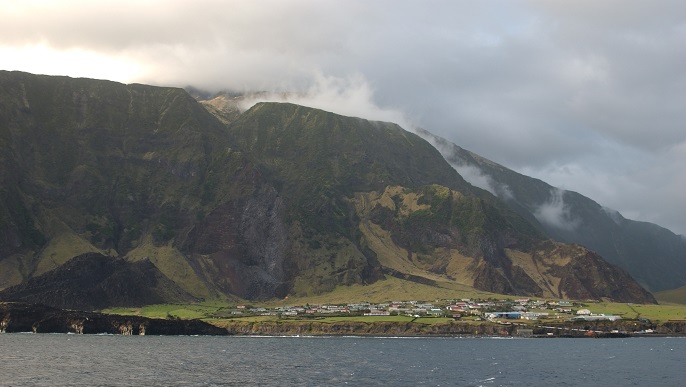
(478, 178)
(349, 96)
(639, 185)
(470, 172)
(555, 212)
(565, 91)
(475, 177)
(613, 214)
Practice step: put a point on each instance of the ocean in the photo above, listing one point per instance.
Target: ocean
(92, 360)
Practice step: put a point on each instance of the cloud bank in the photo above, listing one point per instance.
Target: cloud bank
(346, 96)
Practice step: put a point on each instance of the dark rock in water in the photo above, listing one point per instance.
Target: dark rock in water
(93, 281)
(20, 317)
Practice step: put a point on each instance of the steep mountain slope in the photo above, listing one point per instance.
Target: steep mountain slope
(327, 166)
(280, 199)
(436, 233)
(124, 170)
(653, 255)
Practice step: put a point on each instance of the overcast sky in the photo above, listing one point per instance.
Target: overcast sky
(587, 95)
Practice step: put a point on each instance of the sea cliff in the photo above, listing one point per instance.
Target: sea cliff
(457, 328)
(21, 317)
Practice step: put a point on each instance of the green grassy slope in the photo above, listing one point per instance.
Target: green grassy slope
(675, 296)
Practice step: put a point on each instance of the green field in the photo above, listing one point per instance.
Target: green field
(181, 311)
(392, 289)
(250, 319)
(420, 320)
(210, 310)
(662, 312)
(674, 296)
(338, 319)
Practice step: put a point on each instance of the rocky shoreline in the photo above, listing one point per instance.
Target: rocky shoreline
(21, 317)
(409, 329)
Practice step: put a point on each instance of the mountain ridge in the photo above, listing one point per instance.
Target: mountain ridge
(266, 204)
(652, 254)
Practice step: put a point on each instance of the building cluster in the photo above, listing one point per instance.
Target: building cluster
(525, 309)
(493, 310)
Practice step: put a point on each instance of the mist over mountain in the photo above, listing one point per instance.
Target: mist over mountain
(277, 200)
(653, 255)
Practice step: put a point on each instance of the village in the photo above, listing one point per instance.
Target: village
(463, 309)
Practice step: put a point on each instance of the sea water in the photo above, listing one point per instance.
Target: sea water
(90, 360)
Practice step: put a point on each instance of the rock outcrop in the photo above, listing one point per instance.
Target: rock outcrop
(94, 281)
(21, 317)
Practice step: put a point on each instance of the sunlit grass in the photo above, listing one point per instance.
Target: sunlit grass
(368, 319)
(332, 320)
(391, 289)
(673, 296)
(182, 311)
(662, 312)
(250, 319)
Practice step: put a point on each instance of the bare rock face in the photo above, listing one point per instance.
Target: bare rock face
(590, 277)
(244, 244)
(265, 234)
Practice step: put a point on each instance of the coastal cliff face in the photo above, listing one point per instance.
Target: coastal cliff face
(672, 327)
(154, 194)
(362, 328)
(456, 328)
(20, 317)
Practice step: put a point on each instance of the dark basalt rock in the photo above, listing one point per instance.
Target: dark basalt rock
(21, 317)
(94, 281)
(590, 277)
